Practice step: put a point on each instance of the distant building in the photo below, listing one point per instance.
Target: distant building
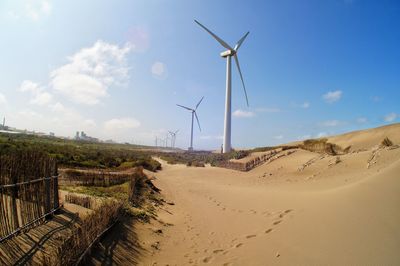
(84, 137)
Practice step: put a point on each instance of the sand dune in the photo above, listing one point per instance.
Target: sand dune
(333, 211)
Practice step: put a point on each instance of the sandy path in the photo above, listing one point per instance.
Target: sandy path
(223, 217)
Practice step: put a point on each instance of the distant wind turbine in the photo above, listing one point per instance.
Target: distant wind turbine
(228, 54)
(173, 137)
(194, 114)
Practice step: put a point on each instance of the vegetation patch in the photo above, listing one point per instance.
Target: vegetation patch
(386, 142)
(72, 153)
(323, 146)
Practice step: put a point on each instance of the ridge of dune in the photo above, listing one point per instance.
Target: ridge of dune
(362, 139)
(367, 138)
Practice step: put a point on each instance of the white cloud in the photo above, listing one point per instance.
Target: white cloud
(90, 72)
(42, 98)
(331, 123)
(305, 105)
(376, 99)
(89, 123)
(321, 134)
(37, 9)
(34, 10)
(279, 137)
(30, 86)
(116, 124)
(3, 99)
(139, 37)
(362, 120)
(243, 114)
(30, 115)
(159, 70)
(208, 137)
(267, 110)
(390, 117)
(304, 137)
(332, 96)
(57, 107)
(39, 95)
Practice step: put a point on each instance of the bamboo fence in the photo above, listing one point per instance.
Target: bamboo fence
(93, 178)
(81, 200)
(28, 191)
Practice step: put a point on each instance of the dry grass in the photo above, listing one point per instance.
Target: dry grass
(84, 201)
(99, 178)
(386, 142)
(323, 146)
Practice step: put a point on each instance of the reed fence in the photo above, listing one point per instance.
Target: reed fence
(81, 200)
(74, 249)
(28, 191)
(92, 178)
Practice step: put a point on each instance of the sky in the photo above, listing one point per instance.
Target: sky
(117, 69)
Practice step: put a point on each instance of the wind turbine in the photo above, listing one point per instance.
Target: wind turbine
(228, 97)
(173, 137)
(194, 114)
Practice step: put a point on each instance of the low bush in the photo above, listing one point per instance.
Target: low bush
(386, 142)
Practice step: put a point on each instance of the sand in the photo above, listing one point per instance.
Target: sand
(301, 209)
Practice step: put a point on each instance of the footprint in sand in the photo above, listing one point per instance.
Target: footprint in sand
(251, 236)
(207, 259)
(268, 231)
(277, 222)
(217, 251)
(238, 245)
(284, 213)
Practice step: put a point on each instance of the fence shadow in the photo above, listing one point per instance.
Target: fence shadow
(120, 246)
(24, 248)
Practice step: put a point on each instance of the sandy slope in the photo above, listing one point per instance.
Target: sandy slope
(276, 214)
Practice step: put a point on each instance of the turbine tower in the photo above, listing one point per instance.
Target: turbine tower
(194, 114)
(173, 137)
(228, 97)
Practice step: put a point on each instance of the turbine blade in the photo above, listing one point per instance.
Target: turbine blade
(241, 77)
(198, 122)
(176, 131)
(224, 44)
(190, 109)
(239, 43)
(197, 105)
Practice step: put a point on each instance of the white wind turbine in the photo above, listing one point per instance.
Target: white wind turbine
(173, 137)
(228, 54)
(194, 114)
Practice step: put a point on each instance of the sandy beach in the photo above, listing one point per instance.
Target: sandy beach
(330, 212)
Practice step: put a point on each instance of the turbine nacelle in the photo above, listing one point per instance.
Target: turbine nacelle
(228, 53)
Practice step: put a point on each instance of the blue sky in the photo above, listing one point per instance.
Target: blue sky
(116, 69)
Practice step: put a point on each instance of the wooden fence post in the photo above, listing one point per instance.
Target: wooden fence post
(14, 209)
(55, 191)
(47, 206)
